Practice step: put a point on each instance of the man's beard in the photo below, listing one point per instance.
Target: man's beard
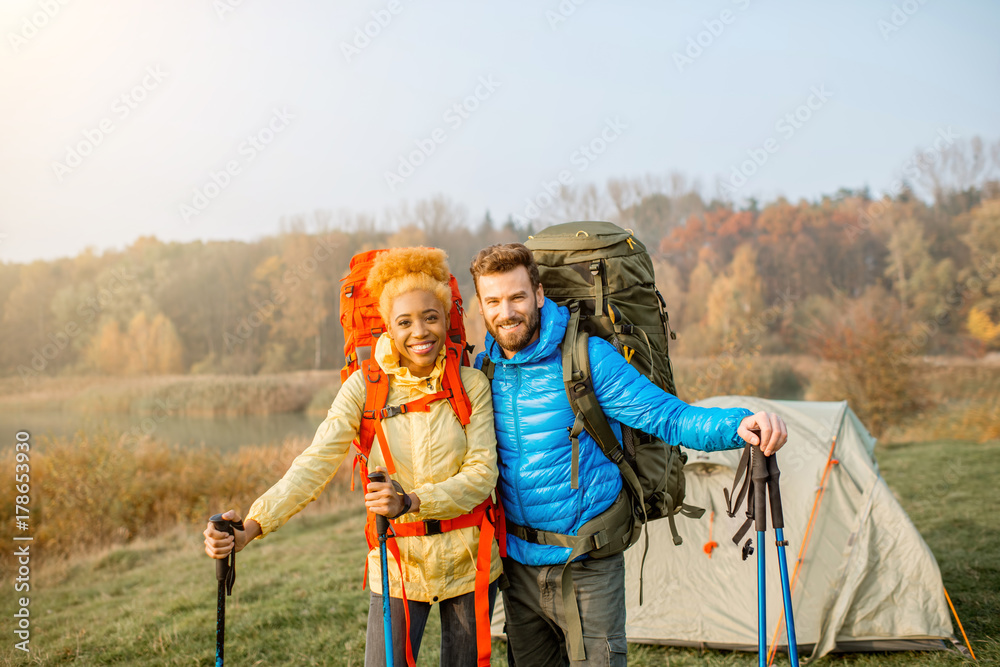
(515, 342)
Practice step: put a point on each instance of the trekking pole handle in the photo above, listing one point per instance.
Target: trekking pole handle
(774, 492)
(381, 522)
(759, 477)
(222, 565)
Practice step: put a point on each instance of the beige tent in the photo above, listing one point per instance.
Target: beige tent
(867, 581)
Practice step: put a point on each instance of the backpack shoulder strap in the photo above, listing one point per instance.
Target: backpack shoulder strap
(583, 401)
(488, 368)
(452, 381)
(376, 398)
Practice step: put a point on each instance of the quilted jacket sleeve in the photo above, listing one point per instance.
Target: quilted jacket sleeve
(627, 396)
(312, 470)
(477, 477)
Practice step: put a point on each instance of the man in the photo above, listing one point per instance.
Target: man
(532, 416)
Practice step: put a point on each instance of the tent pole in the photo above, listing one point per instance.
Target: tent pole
(948, 597)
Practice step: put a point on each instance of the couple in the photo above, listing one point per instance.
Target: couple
(518, 432)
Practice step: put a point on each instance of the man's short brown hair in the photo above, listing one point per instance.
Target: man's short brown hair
(502, 258)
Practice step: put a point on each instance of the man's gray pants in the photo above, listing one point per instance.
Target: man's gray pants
(536, 621)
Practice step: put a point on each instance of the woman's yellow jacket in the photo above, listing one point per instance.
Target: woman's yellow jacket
(450, 469)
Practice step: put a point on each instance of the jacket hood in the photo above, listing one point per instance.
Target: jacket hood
(553, 328)
(387, 358)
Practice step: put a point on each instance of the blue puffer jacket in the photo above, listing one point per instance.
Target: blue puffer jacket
(532, 416)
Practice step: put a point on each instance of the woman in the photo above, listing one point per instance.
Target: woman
(449, 470)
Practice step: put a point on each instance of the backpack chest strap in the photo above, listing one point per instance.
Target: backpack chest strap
(421, 404)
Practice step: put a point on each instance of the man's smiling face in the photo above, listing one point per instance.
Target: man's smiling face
(511, 308)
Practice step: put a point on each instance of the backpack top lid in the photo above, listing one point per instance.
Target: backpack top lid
(583, 235)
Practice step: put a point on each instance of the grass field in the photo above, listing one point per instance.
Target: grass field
(298, 601)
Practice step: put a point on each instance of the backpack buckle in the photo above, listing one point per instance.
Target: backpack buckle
(392, 411)
(432, 527)
(599, 540)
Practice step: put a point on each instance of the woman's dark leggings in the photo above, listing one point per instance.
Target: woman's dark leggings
(458, 629)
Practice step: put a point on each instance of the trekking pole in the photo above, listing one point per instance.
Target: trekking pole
(760, 483)
(778, 521)
(382, 525)
(758, 476)
(225, 573)
(764, 474)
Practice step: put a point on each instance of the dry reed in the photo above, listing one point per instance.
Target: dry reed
(96, 490)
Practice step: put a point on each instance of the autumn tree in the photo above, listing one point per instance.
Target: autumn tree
(983, 241)
(700, 282)
(734, 300)
(139, 345)
(919, 281)
(166, 353)
(107, 351)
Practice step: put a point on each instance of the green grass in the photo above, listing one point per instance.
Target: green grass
(298, 600)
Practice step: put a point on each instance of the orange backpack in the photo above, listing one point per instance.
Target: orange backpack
(363, 325)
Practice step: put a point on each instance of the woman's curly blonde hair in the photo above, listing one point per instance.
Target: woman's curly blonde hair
(403, 270)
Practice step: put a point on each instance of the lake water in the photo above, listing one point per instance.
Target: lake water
(225, 433)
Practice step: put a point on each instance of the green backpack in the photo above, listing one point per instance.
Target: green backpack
(604, 275)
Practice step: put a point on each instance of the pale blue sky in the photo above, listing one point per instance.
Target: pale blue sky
(222, 78)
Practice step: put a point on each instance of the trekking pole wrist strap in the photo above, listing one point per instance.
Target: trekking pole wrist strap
(407, 505)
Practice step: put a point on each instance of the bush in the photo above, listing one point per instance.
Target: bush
(96, 490)
(870, 367)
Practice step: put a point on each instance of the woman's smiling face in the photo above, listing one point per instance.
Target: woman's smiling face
(417, 324)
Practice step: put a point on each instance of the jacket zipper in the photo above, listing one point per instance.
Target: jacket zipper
(517, 436)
